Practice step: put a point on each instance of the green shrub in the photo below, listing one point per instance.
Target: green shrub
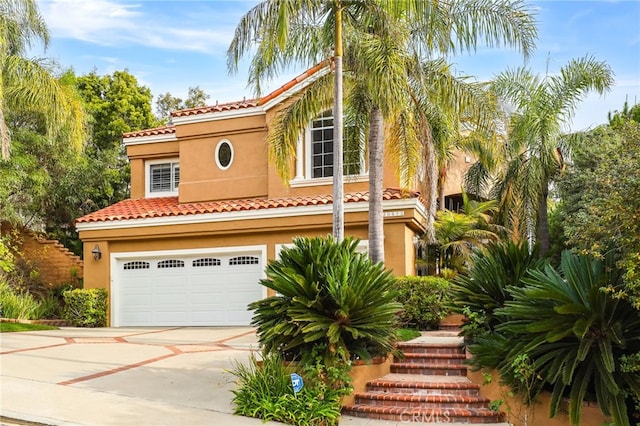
(86, 307)
(265, 392)
(327, 296)
(425, 301)
(577, 338)
(15, 304)
(486, 286)
(50, 307)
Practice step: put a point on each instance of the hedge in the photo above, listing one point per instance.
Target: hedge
(86, 307)
(424, 300)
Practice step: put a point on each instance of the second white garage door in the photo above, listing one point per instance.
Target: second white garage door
(194, 290)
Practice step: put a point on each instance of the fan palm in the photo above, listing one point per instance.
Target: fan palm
(27, 84)
(535, 146)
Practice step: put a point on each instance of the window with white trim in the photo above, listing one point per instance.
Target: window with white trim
(163, 178)
(315, 154)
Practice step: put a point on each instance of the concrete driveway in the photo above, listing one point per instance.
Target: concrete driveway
(126, 376)
(123, 376)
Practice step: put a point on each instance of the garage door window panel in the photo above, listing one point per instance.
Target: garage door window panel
(171, 263)
(136, 265)
(244, 260)
(207, 261)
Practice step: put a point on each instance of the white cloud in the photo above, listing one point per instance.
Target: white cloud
(111, 23)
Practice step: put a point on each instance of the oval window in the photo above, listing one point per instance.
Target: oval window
(224, 154)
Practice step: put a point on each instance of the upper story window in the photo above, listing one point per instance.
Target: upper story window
(162, 177)
(315, 156)
(224, 154)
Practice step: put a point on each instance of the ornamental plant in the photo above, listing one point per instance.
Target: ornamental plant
(328, 296)
(86, 307)
(424, 301)
(482, 289)
(578, 338)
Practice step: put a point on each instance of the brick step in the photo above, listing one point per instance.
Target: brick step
(429, 358)
(406, 415)
(450, 327)
(421, 401)
(424, 385)
(425, 348)
(429, 369)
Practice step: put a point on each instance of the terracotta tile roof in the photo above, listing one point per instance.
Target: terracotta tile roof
(165, 130)
(146, 208)
(248, 103)
(308, 73)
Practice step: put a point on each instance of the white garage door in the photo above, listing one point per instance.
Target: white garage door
(194, 290)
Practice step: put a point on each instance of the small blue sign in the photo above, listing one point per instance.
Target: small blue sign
(296, 382)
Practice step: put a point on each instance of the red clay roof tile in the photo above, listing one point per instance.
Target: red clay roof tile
(248, 103)
(145, 208)
(165, 130)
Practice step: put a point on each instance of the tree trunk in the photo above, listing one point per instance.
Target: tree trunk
(431, 191)
(5, 138)
(542, 233)
(338, 184)
(376, 175)
(442, 178)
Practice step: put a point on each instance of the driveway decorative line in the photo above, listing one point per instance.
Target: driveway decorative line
(120, 369)
(15, 351)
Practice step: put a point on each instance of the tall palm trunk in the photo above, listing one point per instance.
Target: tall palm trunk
(376, 175)
(338, 184)
(442, 179)
(5, 138)
(431, 191)
(542, 233)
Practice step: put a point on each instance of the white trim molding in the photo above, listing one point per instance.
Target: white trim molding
(273, 213)
(141, 140)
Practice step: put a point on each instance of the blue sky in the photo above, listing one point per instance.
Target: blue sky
(172, 45)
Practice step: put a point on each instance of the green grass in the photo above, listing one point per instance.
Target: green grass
(10, 327)
(405, 334)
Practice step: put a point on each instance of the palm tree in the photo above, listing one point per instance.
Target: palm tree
(390, 39)
(27, 84)
(280, 26)
(536, 144)
(459, 234)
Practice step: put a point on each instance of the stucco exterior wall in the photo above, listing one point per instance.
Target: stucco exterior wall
(520, 415)
(399, 232)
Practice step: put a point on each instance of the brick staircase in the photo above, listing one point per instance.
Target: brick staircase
(428, 385)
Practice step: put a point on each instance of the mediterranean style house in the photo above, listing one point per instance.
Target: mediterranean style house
(208, 210)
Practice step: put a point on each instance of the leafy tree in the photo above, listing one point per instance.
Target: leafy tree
(275, 28)
(167, 103)
(600, 194)
(534, 150)
(28, 84)
(49, 184)
(117, 104)
(619, 118)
